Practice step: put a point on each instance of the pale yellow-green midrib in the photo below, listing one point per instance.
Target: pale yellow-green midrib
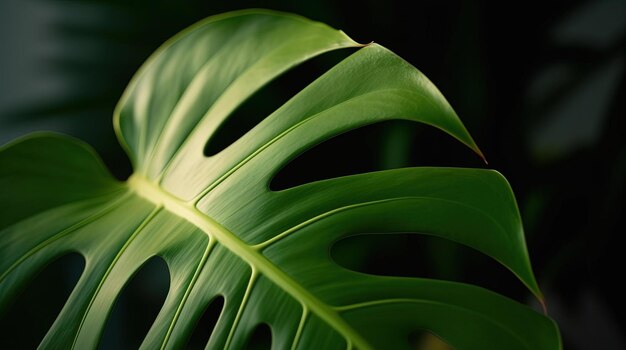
(259, 263)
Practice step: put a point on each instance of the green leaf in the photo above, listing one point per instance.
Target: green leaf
(222, 231)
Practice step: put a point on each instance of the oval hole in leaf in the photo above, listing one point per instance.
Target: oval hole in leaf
(269, 98)
(206, 324)
(421, 255)
(27, 320)
(261, 338)
(137, 306)
(353, 152)
(425, 340)
(384, 145)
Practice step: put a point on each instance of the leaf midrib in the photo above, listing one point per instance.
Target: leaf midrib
(251, 255)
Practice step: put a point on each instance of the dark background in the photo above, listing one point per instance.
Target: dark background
(540, 87)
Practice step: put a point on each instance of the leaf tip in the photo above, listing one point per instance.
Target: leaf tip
(480, 154)
(473, 146)
(544, 307)
(354, 42)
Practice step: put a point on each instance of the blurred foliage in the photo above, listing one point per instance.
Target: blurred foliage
(540, 86)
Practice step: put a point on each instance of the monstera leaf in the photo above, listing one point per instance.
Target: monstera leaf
(223, 232)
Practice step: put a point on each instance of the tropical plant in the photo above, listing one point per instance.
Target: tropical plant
(223, 232)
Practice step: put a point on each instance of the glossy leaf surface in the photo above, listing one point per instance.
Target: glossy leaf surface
(222, 232)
